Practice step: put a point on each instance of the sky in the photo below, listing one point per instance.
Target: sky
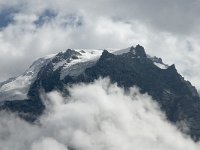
(31, 29)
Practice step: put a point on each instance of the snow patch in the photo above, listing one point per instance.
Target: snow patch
(161, 66)
(17, 88)
(75, 67)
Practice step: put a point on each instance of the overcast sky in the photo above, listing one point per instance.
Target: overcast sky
(31, 29)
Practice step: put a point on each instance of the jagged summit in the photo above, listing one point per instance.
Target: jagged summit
(105, 54)
(128, 67)
(138, 51)
(69, 62)
(69, 53)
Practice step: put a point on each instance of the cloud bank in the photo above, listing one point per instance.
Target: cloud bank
(96, 116)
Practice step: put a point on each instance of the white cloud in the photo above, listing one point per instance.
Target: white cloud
(96, 116)
(48, 143)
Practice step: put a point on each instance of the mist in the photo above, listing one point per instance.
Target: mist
(96, 116)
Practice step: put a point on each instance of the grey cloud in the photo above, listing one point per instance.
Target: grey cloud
(180, 16)
(177, 17)
(46, 16)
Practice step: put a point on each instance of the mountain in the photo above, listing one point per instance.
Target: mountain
(128, 67)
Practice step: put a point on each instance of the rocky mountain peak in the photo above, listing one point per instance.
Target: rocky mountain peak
(105, 54)
(129, 67)
(138, 51)
(69, 53)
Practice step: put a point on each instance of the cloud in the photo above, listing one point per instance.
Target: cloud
(96, 116)
(167, 29)
(179, 16)
(48, 143)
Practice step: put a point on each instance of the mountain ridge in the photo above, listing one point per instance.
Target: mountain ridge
(129, 67)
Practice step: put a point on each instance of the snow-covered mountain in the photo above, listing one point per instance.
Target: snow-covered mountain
(127, 67)
(80, 59)
(17, 88)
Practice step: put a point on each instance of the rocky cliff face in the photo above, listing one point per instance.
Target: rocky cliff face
(177, 97)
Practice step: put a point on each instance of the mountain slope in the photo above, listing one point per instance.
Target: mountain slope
(129, 67)
(17, 88)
